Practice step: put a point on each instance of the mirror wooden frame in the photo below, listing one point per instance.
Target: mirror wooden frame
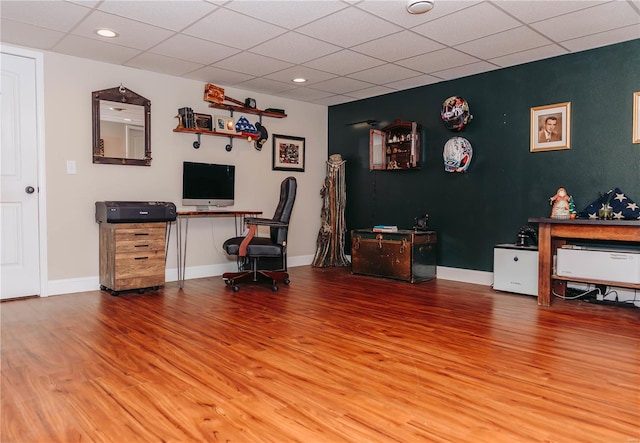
(122, 95)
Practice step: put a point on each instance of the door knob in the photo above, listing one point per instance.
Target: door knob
(29, 189)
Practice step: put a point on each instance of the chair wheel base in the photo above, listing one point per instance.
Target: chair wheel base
(273, 277)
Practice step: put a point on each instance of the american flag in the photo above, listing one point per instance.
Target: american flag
(622, 207)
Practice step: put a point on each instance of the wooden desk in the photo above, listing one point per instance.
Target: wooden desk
(182, 222)
(553, 233)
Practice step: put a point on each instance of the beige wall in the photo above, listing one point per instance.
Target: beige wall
(71, 228)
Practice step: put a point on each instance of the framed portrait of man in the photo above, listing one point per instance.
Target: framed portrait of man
(551, 127)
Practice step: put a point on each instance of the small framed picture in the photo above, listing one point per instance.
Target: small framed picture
(551, 127)
(226, 125)
(288, 153)
(203, 121)
(213, 93)
(636, 117)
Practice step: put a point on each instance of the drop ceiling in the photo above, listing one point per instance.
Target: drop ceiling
(347, 50)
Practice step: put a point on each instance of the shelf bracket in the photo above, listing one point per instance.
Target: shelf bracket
(196, 144)
(229, 147)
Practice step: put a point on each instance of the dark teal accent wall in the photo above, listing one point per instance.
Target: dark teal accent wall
(505, 183)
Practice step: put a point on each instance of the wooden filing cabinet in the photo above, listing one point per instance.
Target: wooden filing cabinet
(403, 255)
(132, 256)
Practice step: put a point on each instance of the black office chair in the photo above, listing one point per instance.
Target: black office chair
(252, 248)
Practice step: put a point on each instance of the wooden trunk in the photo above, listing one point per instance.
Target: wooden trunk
(403, 255)
(132, 255)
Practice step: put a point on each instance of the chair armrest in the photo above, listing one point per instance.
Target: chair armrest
(253, 223)
(265, 222)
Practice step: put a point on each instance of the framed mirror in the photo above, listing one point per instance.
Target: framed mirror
(121, 127)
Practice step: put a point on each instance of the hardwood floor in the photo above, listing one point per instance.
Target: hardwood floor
(331, 358)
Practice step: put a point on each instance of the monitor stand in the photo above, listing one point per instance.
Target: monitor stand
(202, 208)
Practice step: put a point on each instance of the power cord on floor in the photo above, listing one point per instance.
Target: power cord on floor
(600, 290)
(589, 291)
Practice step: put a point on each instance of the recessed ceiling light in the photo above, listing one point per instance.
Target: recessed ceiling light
(299, 80)
(106, 33)
(419, 6)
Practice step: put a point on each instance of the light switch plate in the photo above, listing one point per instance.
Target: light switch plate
(71, 166)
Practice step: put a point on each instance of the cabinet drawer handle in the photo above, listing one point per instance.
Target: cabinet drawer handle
(141, 258)
(356, 243)
(141, 246)
(141, 233)
(379, 238)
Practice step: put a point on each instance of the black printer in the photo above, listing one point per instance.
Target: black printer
(134, 212)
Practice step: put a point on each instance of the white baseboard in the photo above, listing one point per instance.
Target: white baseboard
(465, 275)
(73, 285)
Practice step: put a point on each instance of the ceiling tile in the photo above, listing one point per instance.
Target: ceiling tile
(344, 62)
(95, 49)
(296, 13)
(132, 34)
(59, 16)
(437, 61)
(466, 70)
(385, 74)
(507, 42)
(589, 21)
(396, 11)
(341, 85)
(223, 26)
(295, 48)
(305, 94)
(371, 92)
(468, 24)
(264, 43)
(28, 35)
(265, 85)
(86, 3)
(193, 49)
(253, 63)
(161, 63)
(312, 75)
(413, 82)
(333, 100)
(401, 45)
(218, 76)
(533, 11)
(166, 14)
(349, 27)
(603, 38)
(528, 56)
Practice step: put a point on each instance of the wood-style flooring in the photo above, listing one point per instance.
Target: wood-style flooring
(331, 358)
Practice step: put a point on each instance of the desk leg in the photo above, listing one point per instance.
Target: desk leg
(181, 247)
(545, 264)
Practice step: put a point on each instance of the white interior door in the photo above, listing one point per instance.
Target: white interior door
(19, 242)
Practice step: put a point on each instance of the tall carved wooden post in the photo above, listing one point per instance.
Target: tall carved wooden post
(330, 243)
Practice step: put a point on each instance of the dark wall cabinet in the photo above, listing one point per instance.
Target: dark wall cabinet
(396, 146)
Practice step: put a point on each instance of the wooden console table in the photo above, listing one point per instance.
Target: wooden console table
(553, 233)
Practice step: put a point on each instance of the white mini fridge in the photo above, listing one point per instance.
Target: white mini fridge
(515, 269)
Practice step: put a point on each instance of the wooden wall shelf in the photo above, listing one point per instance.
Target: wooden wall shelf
(231, 136)
(199, 132)
(207, 132)
(244, 109)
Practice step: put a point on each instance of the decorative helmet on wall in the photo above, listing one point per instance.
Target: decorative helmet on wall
(455, 113)
(457, 154)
